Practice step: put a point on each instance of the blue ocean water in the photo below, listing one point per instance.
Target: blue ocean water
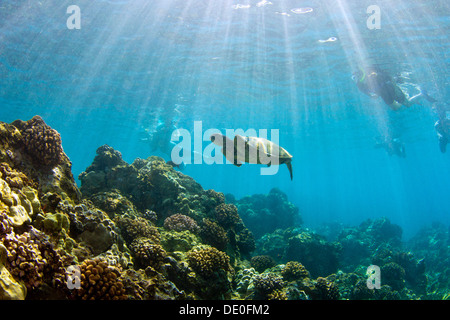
(244, 64)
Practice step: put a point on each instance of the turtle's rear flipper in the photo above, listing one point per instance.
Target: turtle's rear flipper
(289, 165)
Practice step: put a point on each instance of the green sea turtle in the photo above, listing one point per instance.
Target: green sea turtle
(252, 150)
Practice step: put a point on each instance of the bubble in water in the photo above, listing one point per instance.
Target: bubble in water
(331, 39)
(283, 13)
(240, 6)
(263, 3)
(302, 10)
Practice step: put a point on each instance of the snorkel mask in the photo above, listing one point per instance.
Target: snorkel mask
(359, 76)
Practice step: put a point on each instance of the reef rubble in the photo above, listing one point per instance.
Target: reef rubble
(145, 231)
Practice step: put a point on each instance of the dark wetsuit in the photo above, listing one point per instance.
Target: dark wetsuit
(381, 84)
(442, 127)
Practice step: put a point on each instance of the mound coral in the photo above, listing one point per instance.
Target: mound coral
(319, 256)
(227, 215)
(181, 222)
(212, 233)
(245, 241)
(90, 226)
(147, 253)
(42, 143)
(10, 289)
(114, 204)
(244, 280)
(261, 263)
(393, 275)
(132, 229)
(30, 257)
(99, 281)
(208, 261)
(294, 270)
(266, 284)
(265, 213)
(14, 178)
(326, 290)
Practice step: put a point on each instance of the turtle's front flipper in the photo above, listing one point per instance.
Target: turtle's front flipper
(289, 165)
(232, 158)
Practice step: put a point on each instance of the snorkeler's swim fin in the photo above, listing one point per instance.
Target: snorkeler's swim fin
(427, 97)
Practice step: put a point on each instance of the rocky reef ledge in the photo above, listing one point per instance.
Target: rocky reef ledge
(139, 231)
(145, 231)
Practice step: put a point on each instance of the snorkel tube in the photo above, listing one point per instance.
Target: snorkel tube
(363, 74)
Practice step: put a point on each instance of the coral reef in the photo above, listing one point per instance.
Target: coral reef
(227, 215)
(146, 231)
(267, 284)
(294, 270)
(208, 261)
(147, 253)
(99, 281)
(150, 184)
(432, 244)
(213, 272)
(261, 263)
(212, 233)
(42, 143)
(180, 222)
(326, 290)
(10, 288)
(245, 241)
(265, 213)
(133, 228)
(319, 256)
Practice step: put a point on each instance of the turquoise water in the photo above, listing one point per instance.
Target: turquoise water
(133, 63)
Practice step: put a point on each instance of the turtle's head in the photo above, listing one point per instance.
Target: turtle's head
(217, 139)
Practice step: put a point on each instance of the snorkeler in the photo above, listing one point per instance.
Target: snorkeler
(374, 82)
(161, 140)
(393, 146)
(442, 127)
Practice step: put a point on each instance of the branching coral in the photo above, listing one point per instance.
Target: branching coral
(180, 222)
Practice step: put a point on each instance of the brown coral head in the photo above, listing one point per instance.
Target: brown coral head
(180, 222)
(99, 281)
(42, 142)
